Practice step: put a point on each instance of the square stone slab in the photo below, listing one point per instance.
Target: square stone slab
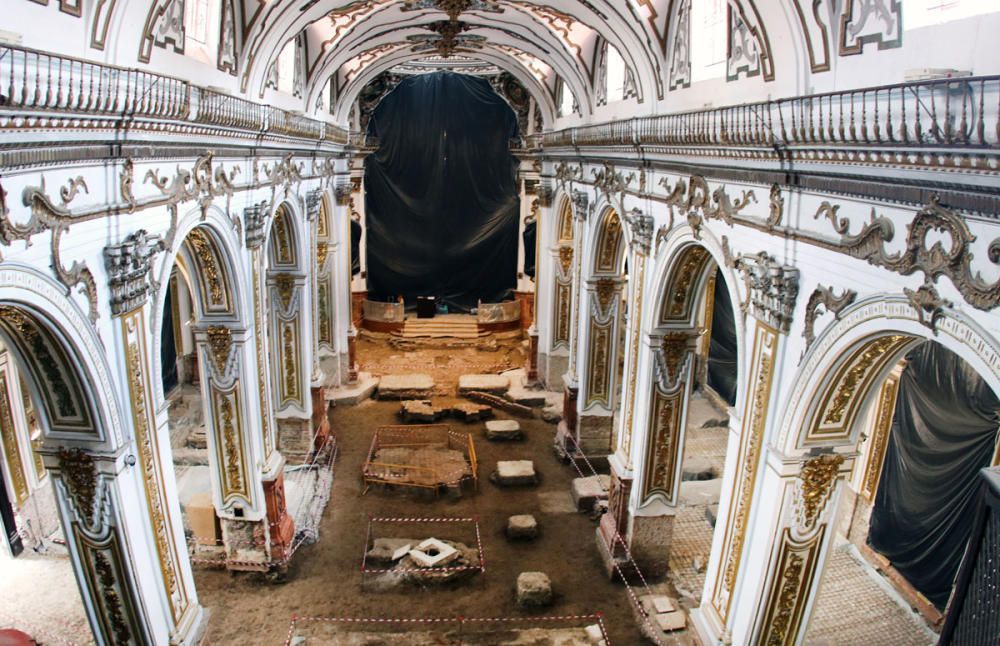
(512, 473)
(663, 604)
(503, 429)
(522, 527)
(587, 491)
(534, 590)
(433, 552)
(671, 621)
(493, 384)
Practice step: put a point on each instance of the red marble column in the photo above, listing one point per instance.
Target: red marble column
(281, 524)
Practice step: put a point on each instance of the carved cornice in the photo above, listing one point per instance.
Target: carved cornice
(128, 265)
(773, 289)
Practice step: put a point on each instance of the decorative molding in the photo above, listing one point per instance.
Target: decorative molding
(581, 205)
(79, 475)
(679, 294)
(606, 290)
(823, 296)
(870, 21)
(566, 174)
(228, 58)
(878, 440)
(609, 244)
(791, 587)
(748, 48)
(128, 264)
(610, 182)
(928, 303)
(812, 16)
(11, 449)
(680, 48)
(777, 207)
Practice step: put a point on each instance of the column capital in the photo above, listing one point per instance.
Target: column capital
(129, 264)
(581, 205)
(773, 289)
(313, 200)
(342, 191)
(641, 227)
(254, 222)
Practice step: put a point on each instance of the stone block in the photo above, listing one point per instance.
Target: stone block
(587, 491)
(513, 473)
(503, 429)
(353, 394)
(202, 520)
(522, 527)
(527, 396)
(468, 412)
(670, 621)
(534, 590)
(433, 553)
(697, 468)
(412, 386)
(420, 411)
(493, 384)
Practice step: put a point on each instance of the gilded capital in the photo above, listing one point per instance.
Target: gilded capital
(128, 264)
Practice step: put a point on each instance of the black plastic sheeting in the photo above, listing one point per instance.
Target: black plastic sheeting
(442, 204)
(355, 248)
(722, 364)
(168, 345)
(943, 431)
(529, 240)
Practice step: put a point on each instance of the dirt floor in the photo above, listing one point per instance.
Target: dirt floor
(325, 579)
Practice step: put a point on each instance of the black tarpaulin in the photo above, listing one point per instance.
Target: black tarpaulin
(944, 430)
(441, 190)
(722, 348)
(529, 239)
(168, 346)
(355, 248)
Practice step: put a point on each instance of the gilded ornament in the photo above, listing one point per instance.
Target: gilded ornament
(860, 367)
(291, 381)
(565, 259)
(605, 289)
(207, 259)
(15, 467)
(80, 477)
(285, 284)
(220, 342)
(817, 478)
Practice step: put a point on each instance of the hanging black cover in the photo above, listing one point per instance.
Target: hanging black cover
(168, 346)
(529, 240)
(943, 431)
(722, 347)
(441, 190)
(355, 248)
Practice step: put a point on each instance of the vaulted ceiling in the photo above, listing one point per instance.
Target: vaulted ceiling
(353, 41)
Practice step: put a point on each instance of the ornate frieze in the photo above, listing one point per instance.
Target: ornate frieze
(823, 297)
(128, 265)
(773, 289)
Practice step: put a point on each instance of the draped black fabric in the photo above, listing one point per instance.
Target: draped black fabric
(442, 205)
(529, 239)
(722, 349)
(355, 248)
(943, 431)
(168, 347)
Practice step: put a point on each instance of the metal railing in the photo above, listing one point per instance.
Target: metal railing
(955, 112)
(41, 82)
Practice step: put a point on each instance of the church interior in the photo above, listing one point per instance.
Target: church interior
(500, 322)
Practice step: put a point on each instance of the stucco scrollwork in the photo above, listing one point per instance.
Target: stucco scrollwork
(824, 297)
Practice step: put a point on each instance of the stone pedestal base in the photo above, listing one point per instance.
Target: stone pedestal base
(649, 541)
(295, 438)
(616, 564)
(246, 545)
(320, 419)
(281, 525)
(531, 367)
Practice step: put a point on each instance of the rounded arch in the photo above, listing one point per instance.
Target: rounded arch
(609, 245)
(283, 239)
(58, 350)
(221, 245)
(543, 98)
(842, 370)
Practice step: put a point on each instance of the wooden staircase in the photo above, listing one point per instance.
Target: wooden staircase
(454, 326)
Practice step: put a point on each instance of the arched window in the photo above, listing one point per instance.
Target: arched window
(201, 29)
(925, 13)
(286, 68)
(708, 42)
(616, 75)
